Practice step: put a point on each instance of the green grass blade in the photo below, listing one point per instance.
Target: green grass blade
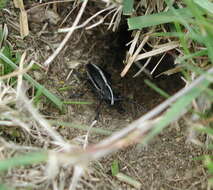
(207, 130)
(115, 168)
(46, 92)
(82, 127)
(128, 7)
(77, 102)
(205, 4)
(37, 97)
(159, 18)
(154, 87)
(169, 34)
(178, 107)
(208, 160)
(4, 187)
(65, 88)
(192, 55)
(28, 159)
(208, 42)
(3, 3)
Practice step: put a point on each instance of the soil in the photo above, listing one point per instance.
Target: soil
(167, 162)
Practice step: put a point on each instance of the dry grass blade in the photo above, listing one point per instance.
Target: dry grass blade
(143, 68)
(48, 3)
(4, 35)
(95, 24)
(23, 19)
(132, 59)
(20, 76)
(171, 71)
(58, 140)
(62, 44)
(38, 153)
(164, 48)
(18, 72)
(153, 70)
(18, 4)
(78, 172)
(115, 18)
(133, 44)
(88, 20)
(24, 28)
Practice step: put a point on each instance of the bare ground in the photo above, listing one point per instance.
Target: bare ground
(166, 163)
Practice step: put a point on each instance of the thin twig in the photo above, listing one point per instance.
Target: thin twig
(68, 35)
(87, 21)
(95, 24)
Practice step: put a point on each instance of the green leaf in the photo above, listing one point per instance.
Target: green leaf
(17, 58)
(128, 7)
(3, 3)
(28, 159)
(46, 92)
(159, 18)
(6, 50)
(205, 4)
(115, 168)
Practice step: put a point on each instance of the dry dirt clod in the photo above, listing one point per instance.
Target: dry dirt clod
(41, 14)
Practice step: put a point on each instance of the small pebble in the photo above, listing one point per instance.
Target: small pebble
(73, 64)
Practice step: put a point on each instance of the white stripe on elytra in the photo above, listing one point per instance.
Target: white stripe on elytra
(92, 80)
(104, 78)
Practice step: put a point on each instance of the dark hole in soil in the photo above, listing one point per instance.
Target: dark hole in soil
(142, 97)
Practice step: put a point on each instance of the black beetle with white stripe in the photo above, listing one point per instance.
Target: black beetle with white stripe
(100, 81)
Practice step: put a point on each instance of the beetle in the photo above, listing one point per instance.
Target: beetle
(100, 81)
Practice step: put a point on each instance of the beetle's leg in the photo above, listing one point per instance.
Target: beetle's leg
(137, 107)
(78, 95)
(119, 108)
(79, 78)
(98, 110)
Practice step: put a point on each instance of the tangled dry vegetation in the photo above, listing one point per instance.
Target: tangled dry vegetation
(49, 143)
